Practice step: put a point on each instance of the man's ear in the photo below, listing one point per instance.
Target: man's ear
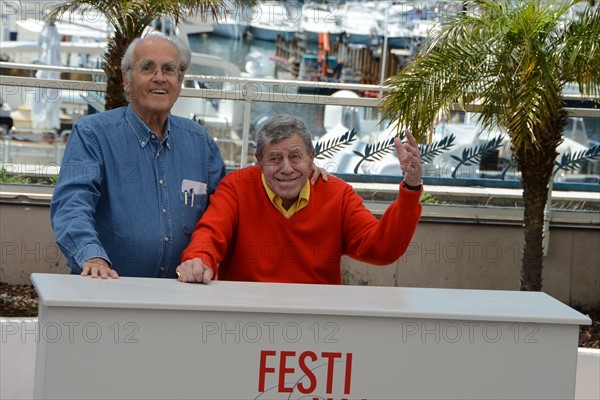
(258, 161)
(125, 81)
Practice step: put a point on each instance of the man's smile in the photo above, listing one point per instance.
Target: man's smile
(158, 91)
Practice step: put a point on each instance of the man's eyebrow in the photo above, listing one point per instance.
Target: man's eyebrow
(150, 61)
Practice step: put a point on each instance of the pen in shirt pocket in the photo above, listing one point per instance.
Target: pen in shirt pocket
(192, 195)
(185, 194)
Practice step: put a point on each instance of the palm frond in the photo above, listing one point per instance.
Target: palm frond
(331, 146)
(431, 150)
(451, 69)
(472, 155)
(579, 51)
(512, 59)
(570, 162)
(374, 152)
(130, 18)
(508, 166)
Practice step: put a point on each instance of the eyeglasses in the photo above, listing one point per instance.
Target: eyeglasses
(149, 68)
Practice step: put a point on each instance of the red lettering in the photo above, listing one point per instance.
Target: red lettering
(348, 377)
(283, 370)
(263, 370)
(307, 371)
(305, 380)
(330, 361)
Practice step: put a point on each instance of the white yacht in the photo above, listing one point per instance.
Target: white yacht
(233, 23)
(464, 148)
(320, 18)
(272, 19)
(197, 24)
(230, 27)
(24, 142)
(362, 23)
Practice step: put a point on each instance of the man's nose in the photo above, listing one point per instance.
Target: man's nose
(159, 74)
(286, 166)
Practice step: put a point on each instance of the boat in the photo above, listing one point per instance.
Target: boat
(460, 147)
(233, 23)
(270, 20)
(409, 24)
(197, 24)
(230, 27)
(405, 24)
(39, 115)
(362, 23)
(83, 39)
(22, 142)
(319, 18)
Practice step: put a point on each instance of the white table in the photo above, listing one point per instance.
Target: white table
(155, 338)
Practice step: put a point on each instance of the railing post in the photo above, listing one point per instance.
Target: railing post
(547, 219)
(8, 146)
(246, 125)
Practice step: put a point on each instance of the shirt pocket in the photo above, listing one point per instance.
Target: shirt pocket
(191, 210)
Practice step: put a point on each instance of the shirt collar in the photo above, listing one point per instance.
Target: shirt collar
(277, 201)
(142, 132)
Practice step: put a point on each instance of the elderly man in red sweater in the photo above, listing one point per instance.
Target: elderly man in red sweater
(267, 223)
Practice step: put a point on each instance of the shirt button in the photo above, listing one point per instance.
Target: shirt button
(153, 136)
(166, 238)
(161, 181)
(164, 210)
(142, 143)
(162, 269)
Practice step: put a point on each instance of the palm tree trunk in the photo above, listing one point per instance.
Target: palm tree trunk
(536, 163)
(115, 95)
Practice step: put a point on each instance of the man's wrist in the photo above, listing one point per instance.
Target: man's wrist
(91, 251)
(98, 261)
(415, 188)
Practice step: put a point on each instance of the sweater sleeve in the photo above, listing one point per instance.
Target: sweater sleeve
(380, 242)
(215, 230)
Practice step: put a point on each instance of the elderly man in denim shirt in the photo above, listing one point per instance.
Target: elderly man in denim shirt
(135, 180)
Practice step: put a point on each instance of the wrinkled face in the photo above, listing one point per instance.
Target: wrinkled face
(286, 166)
(155, 78)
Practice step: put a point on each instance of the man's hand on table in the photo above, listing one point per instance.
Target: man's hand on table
(98, 268)
(194, 271)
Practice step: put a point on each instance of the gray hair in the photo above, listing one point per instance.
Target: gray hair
(185, 54)
(281, 127)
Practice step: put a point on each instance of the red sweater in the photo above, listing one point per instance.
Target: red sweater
(242, 237)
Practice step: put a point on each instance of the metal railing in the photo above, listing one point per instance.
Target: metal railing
(246, 92)
(20, 141)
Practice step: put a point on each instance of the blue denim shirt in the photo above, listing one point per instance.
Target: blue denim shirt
(119, 194)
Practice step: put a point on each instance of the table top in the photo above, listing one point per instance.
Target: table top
(60, 290)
